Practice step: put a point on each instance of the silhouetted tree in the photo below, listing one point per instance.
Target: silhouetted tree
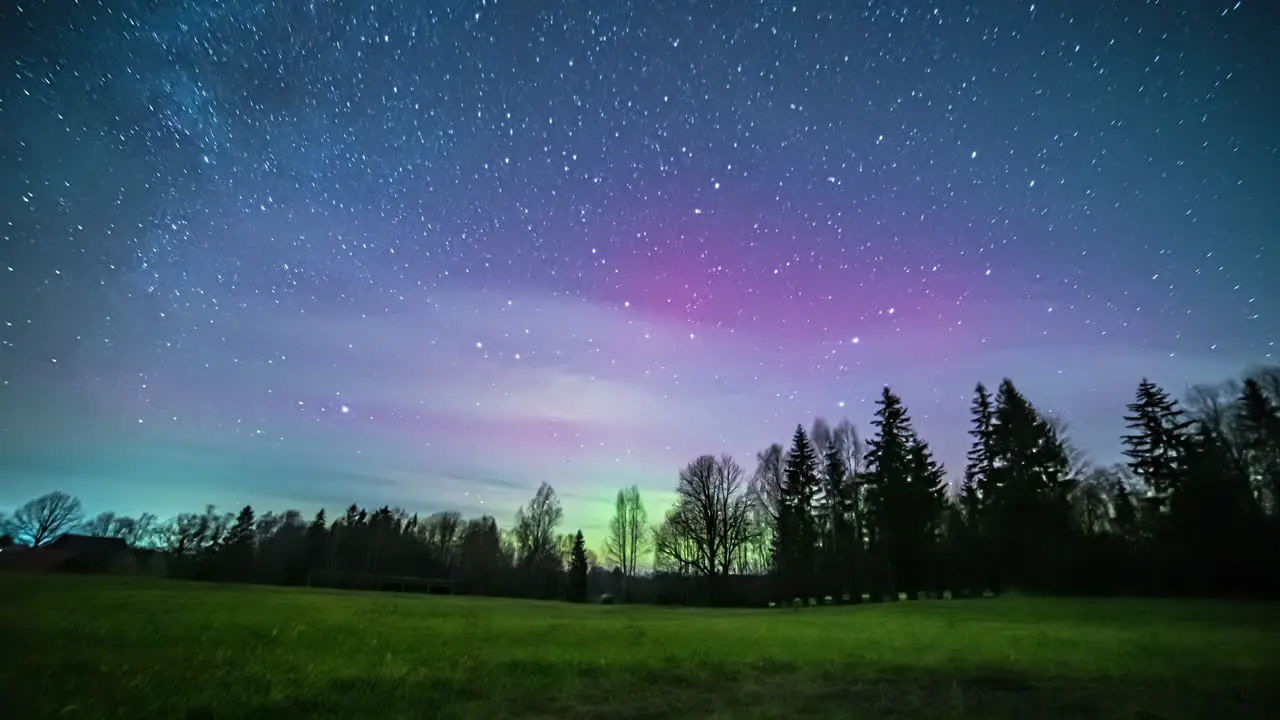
(137, 532)
(842, 546)
(629, 536)
(442, 532)
(765, 491)
(1027, 500)
(1158, 444)
(795, 536)
(1259, 420)
(578, 570)
(481, 555)
(236, 553)
(318, 552)
(538, 550)
(1195, 510)
(710, 523)
(904, 499)
(853, 500)
(44, 519)
(980, 470)
(1213, 524)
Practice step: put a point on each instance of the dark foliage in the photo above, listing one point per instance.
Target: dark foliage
(578, 570)
(1194, 510)
(795, 535)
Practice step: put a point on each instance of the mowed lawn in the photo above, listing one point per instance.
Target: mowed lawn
(108, 647)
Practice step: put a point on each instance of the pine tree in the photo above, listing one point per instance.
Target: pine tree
(927, 500)
(237, 550)
(969, 536)
(318, 543)
(979, 471)
(796, 535)
(1158, 444)
(578, 570)
(1027, 496)
(889, 465)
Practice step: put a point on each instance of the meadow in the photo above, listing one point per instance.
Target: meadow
(81, 647)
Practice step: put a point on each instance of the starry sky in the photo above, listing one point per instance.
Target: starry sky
(432, 254)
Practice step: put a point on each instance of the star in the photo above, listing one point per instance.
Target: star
(521, 240)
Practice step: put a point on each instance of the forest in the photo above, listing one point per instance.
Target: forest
(832, 516)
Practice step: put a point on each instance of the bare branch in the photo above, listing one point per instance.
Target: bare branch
(711, 524)
(44, 519)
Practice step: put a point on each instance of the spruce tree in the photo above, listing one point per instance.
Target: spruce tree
(927, 499)
(1157, 445)
(578, 570)
(888, 498)
(238, 545)
(796, 536)
(318, 543)
(979, 471)
(1028, 493)
(969, 539)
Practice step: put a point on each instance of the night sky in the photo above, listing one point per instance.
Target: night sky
(435, 253)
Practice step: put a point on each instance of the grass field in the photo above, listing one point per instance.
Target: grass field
(86, 647)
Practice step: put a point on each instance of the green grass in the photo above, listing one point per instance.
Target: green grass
(93, 647)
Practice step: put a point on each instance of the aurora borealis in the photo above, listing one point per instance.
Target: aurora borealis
(435, 253)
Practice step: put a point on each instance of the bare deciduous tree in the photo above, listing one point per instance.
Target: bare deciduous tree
(535, 528)
(629, 537)
(1211, 404)
(100, 526)
(1216, 410)
(42, 520)
(1078, 463)
(768, 480)
(671, 549)
(821, 436)
(1091, 501)
(710, 524)
(852, 448)
(564, 549)
(137, 532)
(765, 492)
(442, 532)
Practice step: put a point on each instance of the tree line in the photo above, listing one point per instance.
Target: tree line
(1194, 509)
